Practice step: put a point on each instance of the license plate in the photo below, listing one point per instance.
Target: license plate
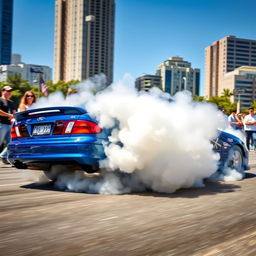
(42, 129)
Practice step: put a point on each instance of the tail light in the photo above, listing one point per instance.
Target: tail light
(85, 127)
(75, 127)
(13, 132)
(19, 131)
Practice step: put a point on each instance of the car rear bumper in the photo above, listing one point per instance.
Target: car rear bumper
(59, 152)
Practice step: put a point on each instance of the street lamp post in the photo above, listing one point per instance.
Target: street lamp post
(238, 92)
(185, 82)
(238, 104)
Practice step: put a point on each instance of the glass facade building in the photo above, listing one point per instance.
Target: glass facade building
(178, 75)
(6, 15)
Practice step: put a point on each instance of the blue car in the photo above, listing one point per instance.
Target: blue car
(69, 136)
(233, 152)
(56, 135)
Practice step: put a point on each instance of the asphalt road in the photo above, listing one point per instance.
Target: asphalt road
(36, 219)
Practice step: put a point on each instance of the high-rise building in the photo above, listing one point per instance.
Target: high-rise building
(146, 82)
(224, 56)
(6, 14)
(84, 39)
(178, 75)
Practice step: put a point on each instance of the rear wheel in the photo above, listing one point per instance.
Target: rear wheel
(235, 159)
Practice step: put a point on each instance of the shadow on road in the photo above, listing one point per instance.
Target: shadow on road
(42, 186)
(210, 188)
(249, 175)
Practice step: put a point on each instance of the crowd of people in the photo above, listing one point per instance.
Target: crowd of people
(7, 109)
(246, 123)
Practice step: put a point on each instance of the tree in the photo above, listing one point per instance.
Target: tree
(253, 104)
(21, 85)
(198, 98)
(60, 86)
(227, 93)
(223, 103)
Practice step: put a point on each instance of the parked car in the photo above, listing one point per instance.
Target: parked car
(69, 136)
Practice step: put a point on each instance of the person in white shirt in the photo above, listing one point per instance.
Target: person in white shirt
(250, 126)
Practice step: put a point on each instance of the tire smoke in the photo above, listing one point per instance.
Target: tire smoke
(163, 142)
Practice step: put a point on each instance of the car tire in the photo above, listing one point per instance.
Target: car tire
(235, 159)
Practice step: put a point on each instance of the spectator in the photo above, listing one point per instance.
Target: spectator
(239, 118)
(233, 121)
(7, 109)
(250, 127)
(27, 100)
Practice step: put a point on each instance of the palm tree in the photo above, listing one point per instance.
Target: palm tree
(253, 104)
(223, 103)
(227, 93)
(198, 98)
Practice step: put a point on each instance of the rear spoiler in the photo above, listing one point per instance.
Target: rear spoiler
(49, 112)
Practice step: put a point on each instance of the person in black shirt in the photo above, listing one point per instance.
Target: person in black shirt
(7, 109)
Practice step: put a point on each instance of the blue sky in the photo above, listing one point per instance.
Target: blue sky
(147, 31)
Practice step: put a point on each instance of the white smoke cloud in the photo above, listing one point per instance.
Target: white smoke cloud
(167, 143)
(164, 144)
(36, 176)
(227, 175)
(104, 183)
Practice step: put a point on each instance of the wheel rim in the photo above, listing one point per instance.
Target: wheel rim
(236, 160)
